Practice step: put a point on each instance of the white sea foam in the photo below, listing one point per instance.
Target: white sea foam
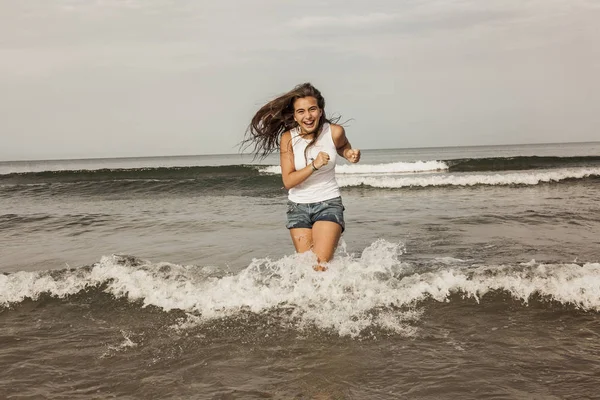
(394, 175)
(271, 170)
(531, 177)
(356, 293)
(127, 343)
(389, 168)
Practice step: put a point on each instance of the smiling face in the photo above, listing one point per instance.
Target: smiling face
(307, 114)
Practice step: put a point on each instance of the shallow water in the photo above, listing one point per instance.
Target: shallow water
(477, 288)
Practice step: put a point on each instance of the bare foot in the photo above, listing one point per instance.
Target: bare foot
(319, 268)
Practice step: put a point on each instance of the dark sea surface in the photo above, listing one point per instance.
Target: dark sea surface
(464, 272)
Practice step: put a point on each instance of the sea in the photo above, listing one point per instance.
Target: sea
(463, 273)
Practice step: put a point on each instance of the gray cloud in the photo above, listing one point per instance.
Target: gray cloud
(119, 78)
(343, 21)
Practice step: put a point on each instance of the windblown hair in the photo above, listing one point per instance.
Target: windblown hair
(276, 117)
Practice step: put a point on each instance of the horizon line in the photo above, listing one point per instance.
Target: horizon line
(274, 152)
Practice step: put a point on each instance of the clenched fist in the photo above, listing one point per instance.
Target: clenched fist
(352, 155)
(322, 159)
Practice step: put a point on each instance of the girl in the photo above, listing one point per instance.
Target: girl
(309, 144)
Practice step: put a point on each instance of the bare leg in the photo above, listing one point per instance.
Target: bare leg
(325, 236)
(302, 239)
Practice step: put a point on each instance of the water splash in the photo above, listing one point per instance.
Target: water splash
(375, 289)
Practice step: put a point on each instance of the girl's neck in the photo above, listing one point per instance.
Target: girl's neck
(309, 136)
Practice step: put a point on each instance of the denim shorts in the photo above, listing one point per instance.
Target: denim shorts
(304, 215)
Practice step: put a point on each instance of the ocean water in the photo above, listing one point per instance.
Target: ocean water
(464, 272)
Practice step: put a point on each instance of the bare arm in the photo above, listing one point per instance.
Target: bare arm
(289, 175)
(342, 144)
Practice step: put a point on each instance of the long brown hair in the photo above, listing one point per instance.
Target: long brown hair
(276, 117)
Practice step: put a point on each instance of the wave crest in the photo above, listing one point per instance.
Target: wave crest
(520, 178)
(388, 168)
(375, 289)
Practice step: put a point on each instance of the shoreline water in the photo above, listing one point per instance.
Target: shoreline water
(181, 282)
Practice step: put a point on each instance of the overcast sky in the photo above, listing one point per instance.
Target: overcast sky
(110, 78)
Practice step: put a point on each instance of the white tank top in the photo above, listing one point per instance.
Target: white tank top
(321, 185)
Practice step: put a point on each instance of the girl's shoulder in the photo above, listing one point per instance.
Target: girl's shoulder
(336, 130)
(287, 135)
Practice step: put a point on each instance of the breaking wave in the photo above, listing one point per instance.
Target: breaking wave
(517, 178)
(373, 290)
